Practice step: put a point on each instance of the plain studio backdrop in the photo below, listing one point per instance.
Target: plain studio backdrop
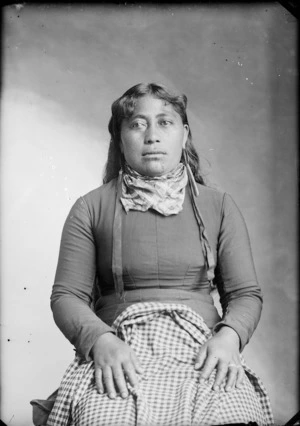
(63, 66)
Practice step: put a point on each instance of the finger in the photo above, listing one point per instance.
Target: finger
(119, 379)
(231, 377)
(209, 365)
(200, 358)
(136, 363)
(130, 372)
(108, 381)
(98, 380)
(222, 370)
(240, 377)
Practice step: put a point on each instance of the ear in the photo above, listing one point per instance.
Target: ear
(185, 134)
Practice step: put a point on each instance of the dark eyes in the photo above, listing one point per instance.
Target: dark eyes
(138, 125)
(165, 123)
(143, 124)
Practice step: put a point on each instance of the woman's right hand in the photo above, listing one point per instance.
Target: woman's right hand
(115, 362)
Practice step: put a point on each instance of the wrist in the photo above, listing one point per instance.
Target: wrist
(100, 339)
(229, 333)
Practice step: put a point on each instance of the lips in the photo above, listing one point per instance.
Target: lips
(153, 153)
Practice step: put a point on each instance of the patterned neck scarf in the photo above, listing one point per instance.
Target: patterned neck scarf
(165, 194)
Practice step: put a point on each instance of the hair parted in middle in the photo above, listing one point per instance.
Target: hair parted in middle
(123, 108)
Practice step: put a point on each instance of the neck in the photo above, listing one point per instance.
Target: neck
(132, 172)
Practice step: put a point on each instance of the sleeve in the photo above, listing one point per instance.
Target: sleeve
(235, 276)
(72, 293)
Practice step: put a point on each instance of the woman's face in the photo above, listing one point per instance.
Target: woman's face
(153, 137)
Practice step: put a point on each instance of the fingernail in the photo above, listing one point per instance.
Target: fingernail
(216, 388)
(228, 389)
(124, 394)
(101, 391)
(197, 366)
(202, 381)
(112, 395)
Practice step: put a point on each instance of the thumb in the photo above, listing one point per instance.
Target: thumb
(201, 357)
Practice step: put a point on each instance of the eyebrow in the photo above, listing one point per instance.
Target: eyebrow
(163, 114)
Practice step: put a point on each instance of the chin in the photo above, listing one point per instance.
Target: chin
(153, 172)
(153, 168)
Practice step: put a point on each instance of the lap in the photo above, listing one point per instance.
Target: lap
(166, 339)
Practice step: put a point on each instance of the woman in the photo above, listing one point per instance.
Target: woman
(139, 258)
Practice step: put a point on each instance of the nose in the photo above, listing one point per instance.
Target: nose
(151, 135)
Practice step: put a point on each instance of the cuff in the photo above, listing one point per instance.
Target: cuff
(84, 349)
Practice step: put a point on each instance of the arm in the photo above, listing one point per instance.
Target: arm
(240, 294)
(71, 302)
(71, 298)
(240, 297)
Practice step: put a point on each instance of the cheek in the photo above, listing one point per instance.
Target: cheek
(129, 149)
(126, 143)
(126, 140)
(180, 143)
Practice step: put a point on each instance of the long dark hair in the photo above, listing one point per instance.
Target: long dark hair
(123, 107)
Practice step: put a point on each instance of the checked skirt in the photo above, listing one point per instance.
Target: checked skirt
(166, 338)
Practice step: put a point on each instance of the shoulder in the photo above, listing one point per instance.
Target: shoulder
(212, 196)
(210, 206)
(216, 197)
(210, 191)
(101, 199)
(102, 192)
(217, 204)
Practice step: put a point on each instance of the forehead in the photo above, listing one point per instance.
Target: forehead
(149, 105)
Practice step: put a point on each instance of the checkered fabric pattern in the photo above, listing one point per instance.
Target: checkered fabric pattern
(166, 338)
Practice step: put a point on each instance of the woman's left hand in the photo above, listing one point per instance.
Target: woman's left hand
(221, 352)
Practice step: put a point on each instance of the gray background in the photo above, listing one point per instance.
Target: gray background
(62, 68)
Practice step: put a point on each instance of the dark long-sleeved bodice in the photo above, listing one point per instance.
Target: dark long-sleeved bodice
(162, 260)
